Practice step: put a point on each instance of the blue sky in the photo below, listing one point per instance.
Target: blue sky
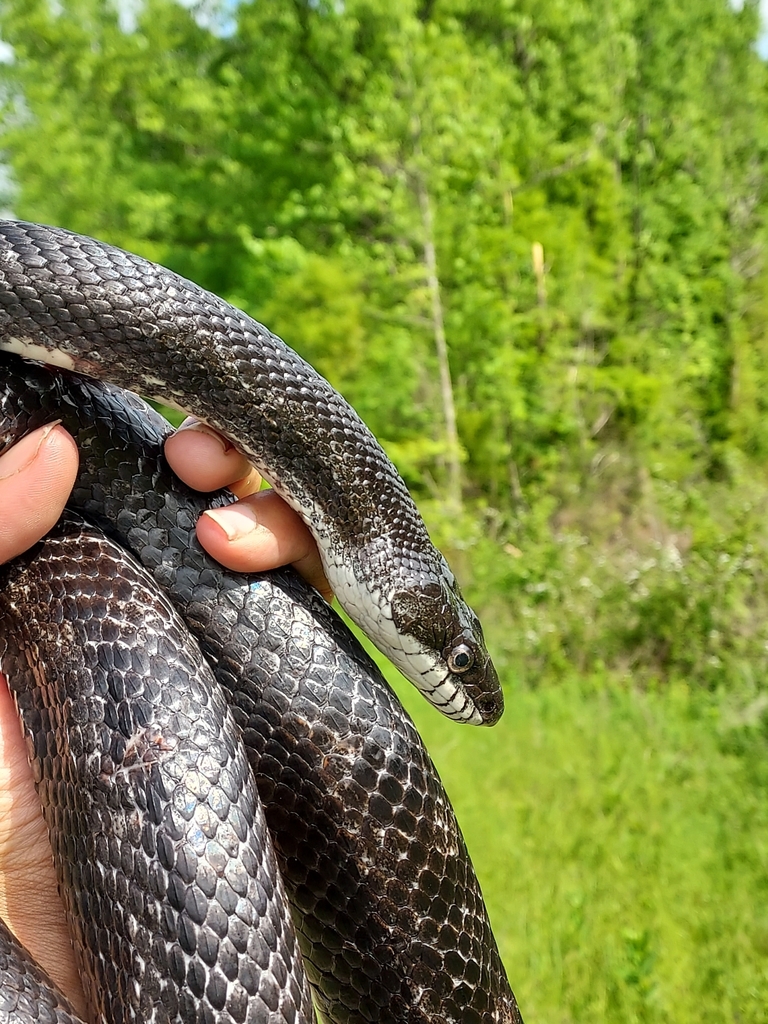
(762, 42)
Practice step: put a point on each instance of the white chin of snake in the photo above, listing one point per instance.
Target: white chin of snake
(25, 348)
(418, 665)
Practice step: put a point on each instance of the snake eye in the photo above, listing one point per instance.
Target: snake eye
(460, 659)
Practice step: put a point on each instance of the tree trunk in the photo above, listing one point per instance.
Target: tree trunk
(453, 455)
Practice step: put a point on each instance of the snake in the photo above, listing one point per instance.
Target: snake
(368, 751)
(87, 306)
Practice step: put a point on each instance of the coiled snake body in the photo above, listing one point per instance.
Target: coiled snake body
(390, 918)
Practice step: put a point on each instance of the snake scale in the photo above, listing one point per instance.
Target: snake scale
(389, 916)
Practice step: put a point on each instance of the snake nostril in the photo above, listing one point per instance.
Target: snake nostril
(490, 708)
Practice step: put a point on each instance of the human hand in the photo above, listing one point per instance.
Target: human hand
(259, 532)
(36, 476)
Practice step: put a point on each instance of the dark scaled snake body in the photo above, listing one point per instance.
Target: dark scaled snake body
(180, 890)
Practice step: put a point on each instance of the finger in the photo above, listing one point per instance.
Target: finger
(29, 899)
(207, 461)
(36, 477)
(259, 533)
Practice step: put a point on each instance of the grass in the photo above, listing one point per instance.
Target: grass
(621, 839)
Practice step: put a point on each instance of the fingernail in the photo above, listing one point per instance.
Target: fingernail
(203, 428)
(236, 521)
(19, 457)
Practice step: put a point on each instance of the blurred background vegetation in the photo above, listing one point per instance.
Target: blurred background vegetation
(527, 239)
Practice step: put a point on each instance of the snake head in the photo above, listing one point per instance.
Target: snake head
(447, 659)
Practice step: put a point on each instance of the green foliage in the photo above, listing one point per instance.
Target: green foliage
(651, 606)
(596, 177)
(282, 164)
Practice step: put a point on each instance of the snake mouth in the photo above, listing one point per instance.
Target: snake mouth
(484, 710)
(456, 701)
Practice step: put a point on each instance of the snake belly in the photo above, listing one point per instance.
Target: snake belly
(90, 307)
(389, 913)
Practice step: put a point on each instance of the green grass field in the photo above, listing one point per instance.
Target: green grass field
(622, 843)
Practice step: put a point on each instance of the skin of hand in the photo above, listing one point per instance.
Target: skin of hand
(257, 533)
